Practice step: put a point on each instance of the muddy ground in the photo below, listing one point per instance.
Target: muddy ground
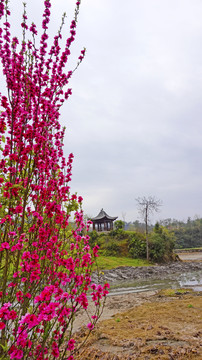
(159, 272)
(166, 325)
(153, 325)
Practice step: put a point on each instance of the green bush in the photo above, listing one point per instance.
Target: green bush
(112, 233)
(156, 247)
(118, 234)
(161, 244)
(95, 238)
(119, 225)
(137, 245)
(112, 248)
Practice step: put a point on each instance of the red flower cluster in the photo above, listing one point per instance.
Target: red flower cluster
(46, 261)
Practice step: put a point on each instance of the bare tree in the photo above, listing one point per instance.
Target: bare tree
(146, 207)
(123, 216)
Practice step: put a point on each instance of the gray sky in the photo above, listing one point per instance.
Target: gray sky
(134, 119)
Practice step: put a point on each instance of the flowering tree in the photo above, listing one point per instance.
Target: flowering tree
(45, 265)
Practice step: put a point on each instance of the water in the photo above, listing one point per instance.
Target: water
(193, 256)
(190, 280)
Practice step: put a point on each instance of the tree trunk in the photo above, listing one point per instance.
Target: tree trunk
(146, 230)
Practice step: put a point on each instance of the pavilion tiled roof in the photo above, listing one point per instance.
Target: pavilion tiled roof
(103, 215)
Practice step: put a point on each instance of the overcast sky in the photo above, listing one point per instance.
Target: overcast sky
(134, 119)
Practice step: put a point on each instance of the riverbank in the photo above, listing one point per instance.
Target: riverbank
(159, 272)
(195, 255)
(149, 325)
(163, 325)
(122, 298)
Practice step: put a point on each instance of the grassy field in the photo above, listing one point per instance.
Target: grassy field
(111, 262)
(188, 249)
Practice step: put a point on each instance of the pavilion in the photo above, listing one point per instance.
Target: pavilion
(103, 222)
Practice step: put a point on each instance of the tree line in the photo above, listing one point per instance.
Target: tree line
(188, 233)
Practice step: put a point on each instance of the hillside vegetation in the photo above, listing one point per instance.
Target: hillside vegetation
(132, 244)
(188, 234)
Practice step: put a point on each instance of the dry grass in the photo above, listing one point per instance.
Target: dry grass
(167, 328)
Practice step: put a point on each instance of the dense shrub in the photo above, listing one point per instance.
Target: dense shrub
(119, 225)
(118, 234)
(112, 248)
(137, 245)
(161, 244)
(94, 238)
